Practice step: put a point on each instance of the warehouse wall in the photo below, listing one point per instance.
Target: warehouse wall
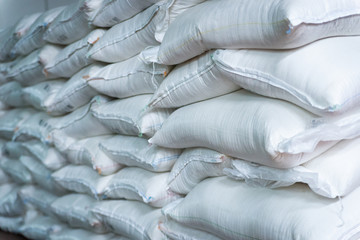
(12, 10)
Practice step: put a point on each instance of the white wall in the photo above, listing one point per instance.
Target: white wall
(12, 10)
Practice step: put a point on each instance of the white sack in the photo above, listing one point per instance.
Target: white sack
(35, 127)
(113, 12)
(81, 234)
(82, 179)
(128, 78)
(29, 70)
(137, 152)
(130, 37)
(23, 25)
(177, 231)
(173, 9)
(41, 227)
(12, 34)
(87, 152)
(12, 94)
(131, 219)
(37, 94)
(11, 119)
(13, 150)
(11, 224)
(7, 40)
(10, 202)
(233, 210)
(41, 175)
(193, 166)
(72, 23)
(192, 81)
(138, 184)
(16, 170)
(332, 174)
(4, 70)
(310, 82)
(74, 210)
(129, 116)
(243, 125)
(37, 197)
(79, 124)
(49, 156)
(33, 38)
(73, 57)
(75, 93)
(275, 24)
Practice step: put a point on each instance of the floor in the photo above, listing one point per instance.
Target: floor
(9, 236)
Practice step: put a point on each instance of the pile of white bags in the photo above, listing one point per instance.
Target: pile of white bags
(181, 119)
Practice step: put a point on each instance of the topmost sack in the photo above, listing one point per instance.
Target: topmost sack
(271, 24)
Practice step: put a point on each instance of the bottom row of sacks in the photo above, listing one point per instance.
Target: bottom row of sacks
(217, 208)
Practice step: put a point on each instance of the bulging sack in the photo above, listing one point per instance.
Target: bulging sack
(72, 23)
(74, 210)
(332, 174)
(138, 184)
(131, 219)
(274, 24)
(13, 150)
(192, 81)
(128, 78)
(41, 175)
(291, 75)
(113, 12)
(268, 131)
(173, 9)
(11, 119)
(76, 125)
(12, 94)
(73, 57)
(38, 127)
(82, 179)
(75, 93)
(5, 69)
(29, 70)
(37, 197)
(10, 202)
(49, 156)
(37, 94)
(40, 227)
(10, 35)
(11, 224)
(137, 152)
(279, 213)
(195, 165)
(129, 116)
(16, 170)
(128, 38)
(33, 38)
(88, 152)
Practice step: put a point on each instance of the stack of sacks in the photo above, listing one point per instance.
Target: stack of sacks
(103, 137)
(130, 181)
(304, 128)
(79, 161)
(35, 105)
